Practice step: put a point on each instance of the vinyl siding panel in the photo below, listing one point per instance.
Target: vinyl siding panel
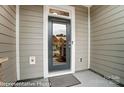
(31, 41)
(81, 35)
(107, 41)
(8, 43)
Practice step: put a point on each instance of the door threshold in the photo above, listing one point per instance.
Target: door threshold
(58, 73)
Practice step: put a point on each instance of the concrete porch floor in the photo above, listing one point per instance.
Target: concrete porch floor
(91, 79)
(87, 79)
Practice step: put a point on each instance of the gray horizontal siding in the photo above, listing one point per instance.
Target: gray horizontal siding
(7, 43)
(31, 41)
(107, 40)
(81, 33)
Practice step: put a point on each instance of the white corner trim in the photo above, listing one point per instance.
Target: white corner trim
(17, 43)
(45, 39)
(89, 37)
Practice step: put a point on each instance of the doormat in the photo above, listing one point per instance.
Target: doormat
(63, 81)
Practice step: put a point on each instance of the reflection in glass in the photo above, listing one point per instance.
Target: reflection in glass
(59, 43)
(59, 12)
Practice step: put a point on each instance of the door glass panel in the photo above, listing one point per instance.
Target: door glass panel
(59, 44)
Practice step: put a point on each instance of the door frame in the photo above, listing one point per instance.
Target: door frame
(71, 16)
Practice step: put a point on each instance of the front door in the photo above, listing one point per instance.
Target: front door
(59, 43)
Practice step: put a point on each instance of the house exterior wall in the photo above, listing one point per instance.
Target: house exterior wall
(31, 39)
(81, 36)
(8, 42)
(107, 41)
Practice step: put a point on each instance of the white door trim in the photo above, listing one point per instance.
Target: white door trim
(17, 43)
(45, 39)
(88, 37)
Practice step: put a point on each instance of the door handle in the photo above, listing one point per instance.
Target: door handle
(71, 43)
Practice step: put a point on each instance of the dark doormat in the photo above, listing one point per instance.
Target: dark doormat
(63, 81)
